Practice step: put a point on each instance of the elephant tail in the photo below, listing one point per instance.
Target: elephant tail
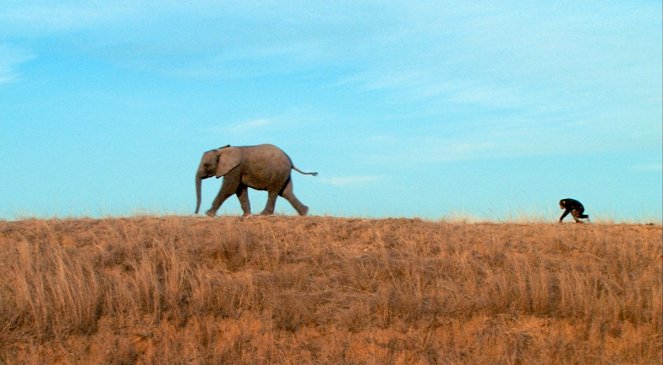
(304, 173)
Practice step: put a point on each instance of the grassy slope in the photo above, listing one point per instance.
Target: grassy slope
(327, 290)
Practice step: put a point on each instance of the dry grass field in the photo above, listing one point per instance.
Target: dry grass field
(322, 290)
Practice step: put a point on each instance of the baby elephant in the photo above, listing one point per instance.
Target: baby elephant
(574, 207)
(262, 167)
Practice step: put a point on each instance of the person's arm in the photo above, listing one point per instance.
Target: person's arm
(566, 212)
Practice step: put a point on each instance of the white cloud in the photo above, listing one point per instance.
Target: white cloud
(242, 127)
(245, 60)
(250, 125)
(10, 59)
(439, 150)
(40, 17)
(489, 96)
(494, 139)
(652, 167)
(347, 181)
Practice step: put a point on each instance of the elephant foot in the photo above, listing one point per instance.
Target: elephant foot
(304, 211)
(210, 213)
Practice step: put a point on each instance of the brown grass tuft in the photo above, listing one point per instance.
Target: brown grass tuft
(327, 290)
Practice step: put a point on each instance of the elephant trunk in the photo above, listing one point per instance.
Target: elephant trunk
(199, 179)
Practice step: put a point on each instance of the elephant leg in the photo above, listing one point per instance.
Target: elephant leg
(226, 191)
(243, 196)
(271, 203)
(289, 195)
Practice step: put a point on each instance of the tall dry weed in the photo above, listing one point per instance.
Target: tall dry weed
(327, 290)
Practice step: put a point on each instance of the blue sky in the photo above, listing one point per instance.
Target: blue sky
(432, 109)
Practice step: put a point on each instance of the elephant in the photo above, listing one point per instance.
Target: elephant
(261, 167)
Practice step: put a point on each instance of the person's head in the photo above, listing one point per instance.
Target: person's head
(562, 204)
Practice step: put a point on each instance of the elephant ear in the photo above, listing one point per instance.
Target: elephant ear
(229, 158)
